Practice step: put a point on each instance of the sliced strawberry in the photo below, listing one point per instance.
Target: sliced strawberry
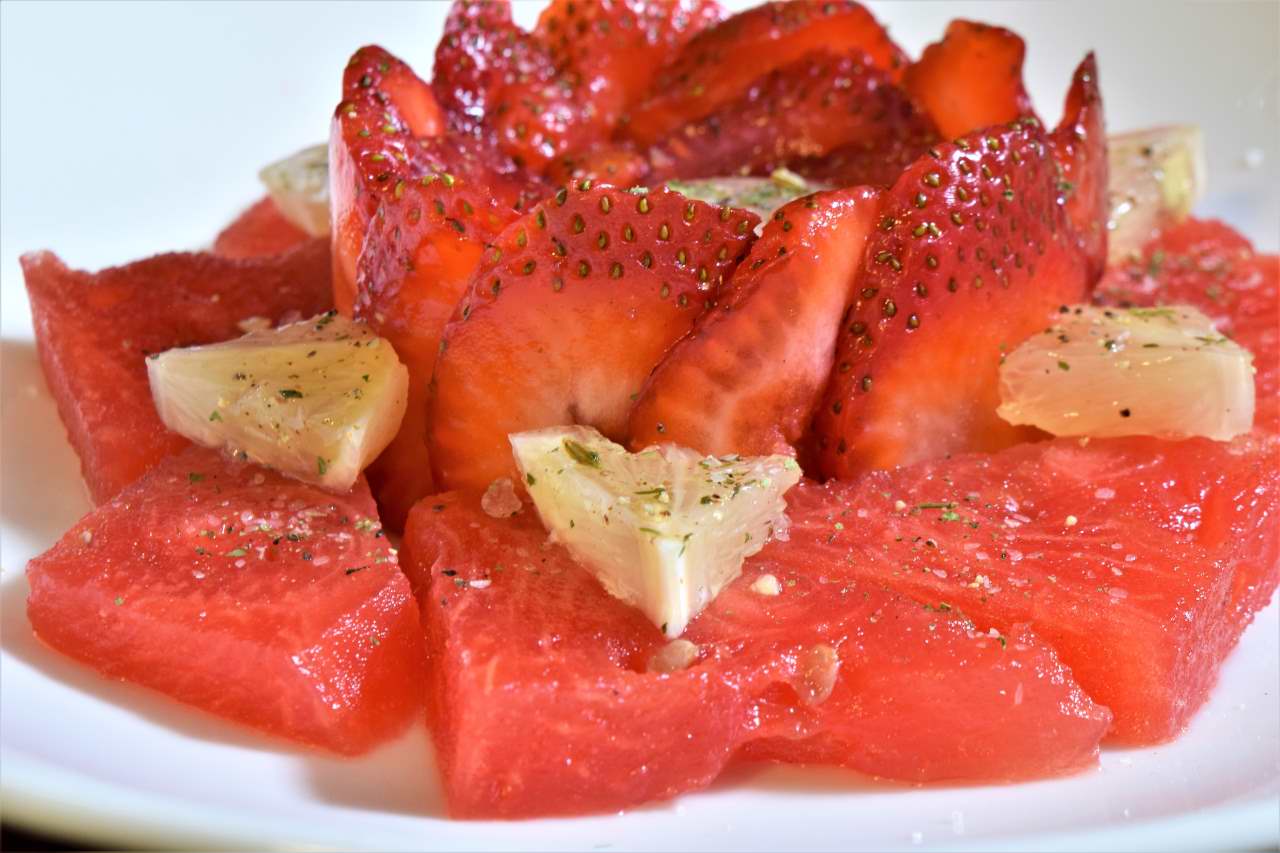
(1080, 146)
(413, 214)
(799, 111)
(747, 378)
(385, 108)
(1208, 264)
(971, 79)
(619, 164)
(481, 52)
(720, 64)
(259, 232)
(973, 252)
(613, 48)
(569, 312)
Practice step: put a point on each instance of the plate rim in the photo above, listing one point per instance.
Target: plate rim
(34, 794)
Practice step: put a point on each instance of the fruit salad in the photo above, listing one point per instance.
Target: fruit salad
(704, 388)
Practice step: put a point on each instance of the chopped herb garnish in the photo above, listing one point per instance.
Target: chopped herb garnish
(214, 416)
(530, 479)
(290, 393)
(580, 454)
(322, 465)
(235, 552)
(193, 477)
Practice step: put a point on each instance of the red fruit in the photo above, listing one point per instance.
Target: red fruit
(800, 111)
(1208, 264)
(615, 47)
(94, 331)
(413, 215)
(830, 671)
(260, 231)
(606, 54)
(385, 110)
(971, 79)
(721, 63)
(226, 586)
(875, 163)
(1080, 145)
(481, 52)
(972, 253)
(547, 96)
(1139, 560)
(569, 312)
(748, 376)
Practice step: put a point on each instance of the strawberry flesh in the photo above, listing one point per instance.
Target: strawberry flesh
(971, 79)
(801, 111)
(972, 253)
(1080, 146)
(747, 378)
(413, 213)
(568, 313)
(721, 63)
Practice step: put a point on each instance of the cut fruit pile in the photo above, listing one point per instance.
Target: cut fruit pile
(707, 363)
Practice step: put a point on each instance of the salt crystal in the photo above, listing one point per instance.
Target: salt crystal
(500, 500)
(766, 585)
(673, 657)
(1104, 494)
(86, 536)
(480, 583)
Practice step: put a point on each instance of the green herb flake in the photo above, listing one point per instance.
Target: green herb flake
(581, 455)
(119, 601)
(530, 479)
(214, 416)
(1062, 365)
(290, 393)
(322, 465)
(235, 552)
(193, 477)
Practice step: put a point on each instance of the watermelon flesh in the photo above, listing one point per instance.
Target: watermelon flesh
(542, 702)
(260, 599)
(261, 231)
(94, 331)
(1139, 560)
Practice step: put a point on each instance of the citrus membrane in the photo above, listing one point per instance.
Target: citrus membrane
(1109, 372)
(316, 400)
(665, 529)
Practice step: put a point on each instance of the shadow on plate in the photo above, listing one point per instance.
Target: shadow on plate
(398, 777)
(35, 453)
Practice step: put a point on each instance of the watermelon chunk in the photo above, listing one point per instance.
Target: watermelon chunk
(254, 597)
(94, 330)
(1140, 560)
(260, 231)
(543, 699)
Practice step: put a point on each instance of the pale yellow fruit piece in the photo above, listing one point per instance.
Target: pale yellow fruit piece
(316, 400)
(1156, 177)
(1108, 372)
(665, 529)
(299, 185)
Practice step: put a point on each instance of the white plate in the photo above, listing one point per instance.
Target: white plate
(128, 129)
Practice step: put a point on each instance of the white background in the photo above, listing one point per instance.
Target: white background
(127, 129)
